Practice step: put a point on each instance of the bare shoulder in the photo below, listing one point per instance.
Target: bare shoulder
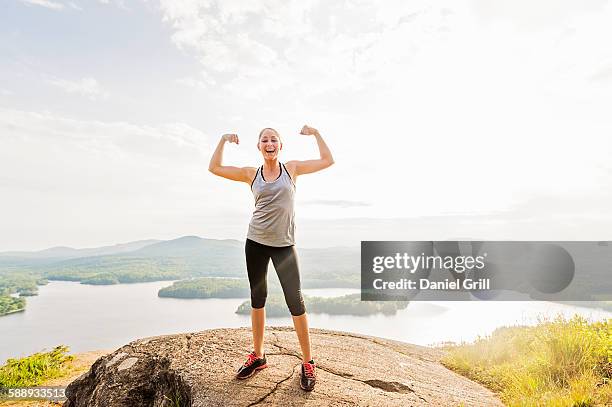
(292, 168)
(250, 173)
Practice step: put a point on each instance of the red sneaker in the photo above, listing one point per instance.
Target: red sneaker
(308, 379)
(252, 364)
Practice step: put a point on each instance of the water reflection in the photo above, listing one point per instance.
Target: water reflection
(87, 317)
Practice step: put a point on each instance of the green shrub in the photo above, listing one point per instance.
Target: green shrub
(555, 363)
(10, 304)
(34, 369)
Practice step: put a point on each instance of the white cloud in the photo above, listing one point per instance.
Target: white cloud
(205, 81)
(71, 177)
(45, 3)
(75, 6)
(536, 15)
(88, 87)
(258, 49)
(168, 141)
(118, 3)
(309, 47)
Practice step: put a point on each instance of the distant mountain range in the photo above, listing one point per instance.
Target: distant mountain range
(183, 246)
(184, 257)
(63, 252)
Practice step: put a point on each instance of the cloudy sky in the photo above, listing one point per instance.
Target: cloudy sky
(482, 118)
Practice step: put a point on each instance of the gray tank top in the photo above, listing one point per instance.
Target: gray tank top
(272, 223)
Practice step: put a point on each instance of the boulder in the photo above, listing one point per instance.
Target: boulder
(197, 369)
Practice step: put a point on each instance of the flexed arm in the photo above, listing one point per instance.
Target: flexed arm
(310, 166)
(243, 174)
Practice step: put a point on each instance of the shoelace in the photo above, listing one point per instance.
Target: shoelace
(309, 370)
(252, 358)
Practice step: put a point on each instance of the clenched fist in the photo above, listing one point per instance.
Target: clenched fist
(309, 131)
(232, 138)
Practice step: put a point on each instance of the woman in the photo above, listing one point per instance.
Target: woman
(271, 236)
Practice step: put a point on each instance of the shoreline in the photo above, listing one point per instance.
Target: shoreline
(13, 311)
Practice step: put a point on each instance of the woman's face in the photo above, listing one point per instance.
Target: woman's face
(269, 144)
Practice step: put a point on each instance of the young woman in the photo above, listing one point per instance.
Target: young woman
(271, 236)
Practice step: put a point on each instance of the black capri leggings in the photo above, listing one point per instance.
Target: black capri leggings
(286, 264)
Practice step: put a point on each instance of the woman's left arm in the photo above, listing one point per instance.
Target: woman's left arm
(310, 166)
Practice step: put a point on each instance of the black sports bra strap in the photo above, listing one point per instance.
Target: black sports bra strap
(289, 175)
(257, 172)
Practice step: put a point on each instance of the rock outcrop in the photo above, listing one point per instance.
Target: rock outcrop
(197, 369)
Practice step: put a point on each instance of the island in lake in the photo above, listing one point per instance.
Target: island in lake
(207, 287)
(350, 304)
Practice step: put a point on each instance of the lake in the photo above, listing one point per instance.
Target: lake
(88, 317)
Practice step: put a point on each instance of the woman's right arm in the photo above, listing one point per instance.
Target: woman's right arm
(244, 174)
